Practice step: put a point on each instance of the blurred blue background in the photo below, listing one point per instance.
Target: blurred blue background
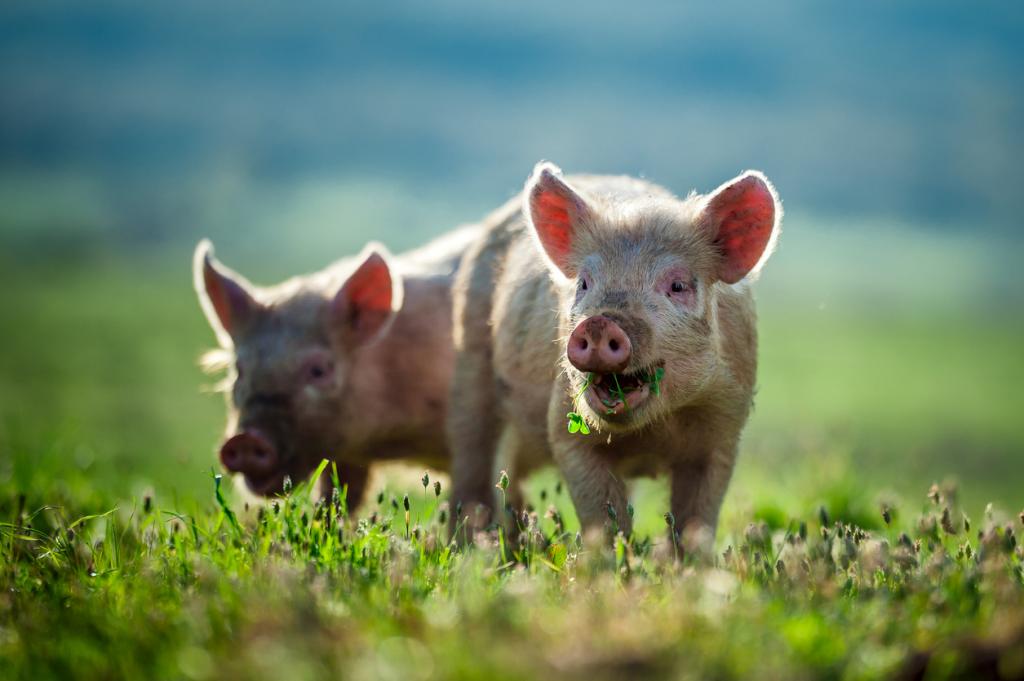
(291, 134)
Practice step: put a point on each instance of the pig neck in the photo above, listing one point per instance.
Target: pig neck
(402, 379)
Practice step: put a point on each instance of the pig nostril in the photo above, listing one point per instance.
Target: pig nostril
(230, 457)
(613, 345)
(583, 344)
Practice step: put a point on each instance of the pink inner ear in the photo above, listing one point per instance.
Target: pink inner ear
(370, 286)
(553, 208)
(229, 300)
(551, 217)
(366, 296)
(745, 214)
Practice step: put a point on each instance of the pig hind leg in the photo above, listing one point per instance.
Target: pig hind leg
(471, 435)
(508, 459)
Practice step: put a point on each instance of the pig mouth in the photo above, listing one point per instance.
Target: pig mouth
(615, 395)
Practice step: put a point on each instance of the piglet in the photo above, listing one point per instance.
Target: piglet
(352, 364)
(608, 325)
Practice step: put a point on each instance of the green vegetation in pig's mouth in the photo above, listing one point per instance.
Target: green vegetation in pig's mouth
(615, 394)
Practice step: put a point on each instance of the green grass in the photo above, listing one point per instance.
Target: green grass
(298, 590)
(101, 408)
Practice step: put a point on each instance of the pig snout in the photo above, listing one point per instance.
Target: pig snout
(600, 345)
(249, 453)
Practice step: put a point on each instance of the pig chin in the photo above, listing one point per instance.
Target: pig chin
(271, 484)
(267, 485)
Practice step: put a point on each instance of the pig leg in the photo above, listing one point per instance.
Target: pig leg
(471, 433)
(509, 503)
(355, 477)
(698, 488)
(592, 482)
(593, 487)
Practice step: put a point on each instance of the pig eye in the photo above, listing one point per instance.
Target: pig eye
(318, 371)
(678, 286)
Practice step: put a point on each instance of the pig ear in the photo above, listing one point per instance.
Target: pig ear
(371, 296)
(744, 215)
(223, 294)
(554, 210)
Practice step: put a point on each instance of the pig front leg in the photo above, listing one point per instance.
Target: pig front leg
(698, 488)
(354, 477)
(472, 435)
(592, 482)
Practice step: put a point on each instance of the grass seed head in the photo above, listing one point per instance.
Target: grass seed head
(947, 522)
(425, 480)
(503, 481)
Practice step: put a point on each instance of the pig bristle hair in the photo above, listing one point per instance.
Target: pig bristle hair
(215, 361)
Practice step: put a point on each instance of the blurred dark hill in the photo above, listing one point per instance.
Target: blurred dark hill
(144, 123)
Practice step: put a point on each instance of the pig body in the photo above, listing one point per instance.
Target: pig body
(615, 265)
(352, 363)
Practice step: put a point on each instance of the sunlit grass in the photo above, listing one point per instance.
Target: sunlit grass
(298, 589)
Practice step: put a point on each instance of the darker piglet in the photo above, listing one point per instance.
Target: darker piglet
(351, 363)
